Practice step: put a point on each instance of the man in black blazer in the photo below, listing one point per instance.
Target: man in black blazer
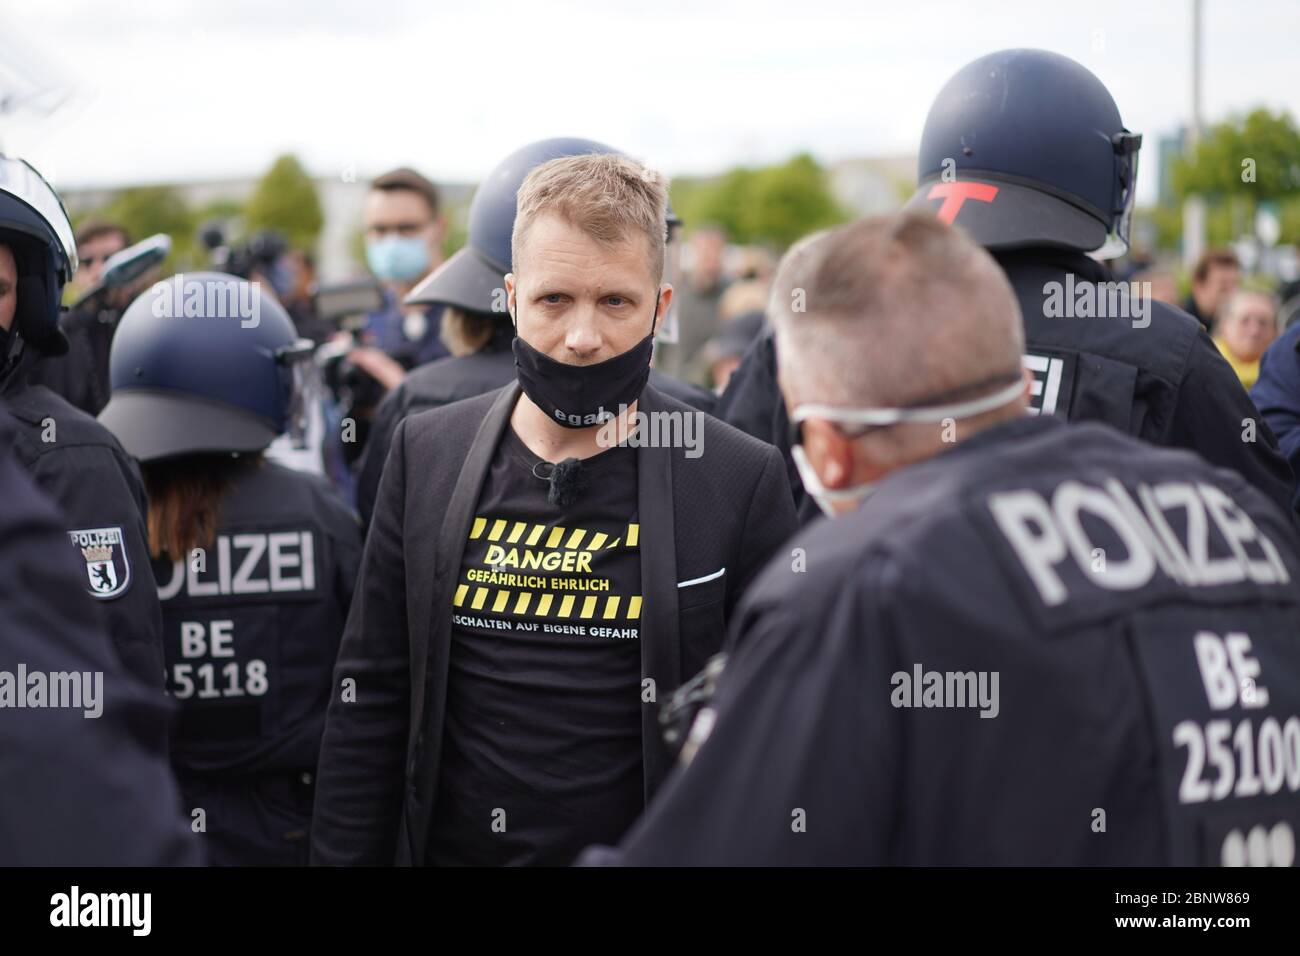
(546, 563)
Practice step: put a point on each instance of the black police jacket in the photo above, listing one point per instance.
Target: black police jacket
(449, 380)
(1050, 644)
(725, 510)
(82, 786)
(252, 624)
(76, 462)
(81, 376)
(1165, 382)
(752, 402)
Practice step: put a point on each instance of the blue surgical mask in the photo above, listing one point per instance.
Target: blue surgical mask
(398, 258)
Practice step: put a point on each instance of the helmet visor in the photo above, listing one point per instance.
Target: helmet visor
(41, 206)
(1127, 145)
(304, 389)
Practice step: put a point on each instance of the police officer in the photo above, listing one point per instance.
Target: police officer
(81, 376)
(255, 562)
(752, 402)
(70, 456)
(1277, 393)
(1015, 640)
(82, 786)
(1043, 188)
(471, 286)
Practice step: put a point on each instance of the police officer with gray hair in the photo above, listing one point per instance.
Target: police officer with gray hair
(1015, 641)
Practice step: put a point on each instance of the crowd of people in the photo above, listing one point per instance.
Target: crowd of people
(596, 544)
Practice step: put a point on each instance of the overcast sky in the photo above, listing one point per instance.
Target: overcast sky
(178, 90)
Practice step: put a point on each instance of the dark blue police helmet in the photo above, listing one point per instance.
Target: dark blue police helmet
(470, 278)
(1025, 148)
(35, 227)
(202, 363)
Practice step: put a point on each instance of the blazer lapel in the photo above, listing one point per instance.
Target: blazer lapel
(459, 516)
(436, 629)
(660, 649)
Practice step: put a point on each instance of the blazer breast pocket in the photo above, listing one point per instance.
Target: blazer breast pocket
(700, 604)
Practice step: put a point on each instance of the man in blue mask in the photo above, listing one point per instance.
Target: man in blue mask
(404, 231)
(545, 564)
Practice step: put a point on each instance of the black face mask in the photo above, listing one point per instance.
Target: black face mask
(579, 396)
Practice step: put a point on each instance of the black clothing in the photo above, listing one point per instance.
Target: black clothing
(542, 749)
(81, 376)
(79, 790)
(75, 461)
(1013, 653)
(1192, 309)
(252, 632)
(1164, 382)
(752, 402)
(709, 522)
(452, 379)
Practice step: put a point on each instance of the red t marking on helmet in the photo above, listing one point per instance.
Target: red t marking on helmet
(954, 194)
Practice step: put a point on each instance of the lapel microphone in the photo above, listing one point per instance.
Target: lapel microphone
(568, 481)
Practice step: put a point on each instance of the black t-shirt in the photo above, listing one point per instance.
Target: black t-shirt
(542, 748)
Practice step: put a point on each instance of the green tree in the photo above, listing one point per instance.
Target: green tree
(285, 200)
(775, 205)
(790, 201)
(146, 210)
(1240, 163)
(1256, 157)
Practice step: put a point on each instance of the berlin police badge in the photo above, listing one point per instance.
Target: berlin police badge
(107, 569)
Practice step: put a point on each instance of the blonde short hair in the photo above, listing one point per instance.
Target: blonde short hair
(609, 197)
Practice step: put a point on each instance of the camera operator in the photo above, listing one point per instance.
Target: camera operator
(81, 376)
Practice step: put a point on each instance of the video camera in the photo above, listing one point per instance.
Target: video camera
(257, 254)
(345, 306)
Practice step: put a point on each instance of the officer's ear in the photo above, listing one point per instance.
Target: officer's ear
(829, 452)
(510, 299)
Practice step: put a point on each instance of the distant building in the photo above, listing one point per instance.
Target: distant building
(875, 185)
(1168, 150)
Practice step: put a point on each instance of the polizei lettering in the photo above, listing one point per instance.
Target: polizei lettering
(1045, 533)
(278, 562)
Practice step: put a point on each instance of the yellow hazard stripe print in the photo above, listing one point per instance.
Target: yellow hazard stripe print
(544, 536)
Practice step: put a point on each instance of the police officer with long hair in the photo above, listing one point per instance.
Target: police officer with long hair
(255, 562)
